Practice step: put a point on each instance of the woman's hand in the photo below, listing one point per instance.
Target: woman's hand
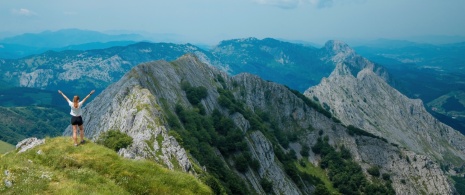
(60, 92)
(92, 92)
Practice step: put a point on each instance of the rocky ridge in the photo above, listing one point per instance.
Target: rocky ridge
(364, 99)
(139, 102)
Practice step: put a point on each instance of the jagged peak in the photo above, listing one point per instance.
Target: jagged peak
(336, 45)
(338, 51)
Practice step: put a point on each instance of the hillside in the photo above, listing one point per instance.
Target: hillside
(19, 123)
(5, 147)
(57, 167)
(250, 135)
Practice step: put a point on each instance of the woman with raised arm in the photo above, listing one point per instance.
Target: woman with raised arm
(76, 112)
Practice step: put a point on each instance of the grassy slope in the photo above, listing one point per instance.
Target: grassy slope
(318, 172)
(62, 168)
(5, 147)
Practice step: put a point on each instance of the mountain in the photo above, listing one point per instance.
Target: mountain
(96, 45)
(66, 37)
(294, 65)
(69, 39)
(57, 167)
(86, 70)
(432, 73)
(248, 135)
(365, 100)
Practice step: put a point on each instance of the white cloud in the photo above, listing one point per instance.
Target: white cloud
(23, 12)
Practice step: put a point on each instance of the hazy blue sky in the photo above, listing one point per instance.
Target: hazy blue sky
(210, 21)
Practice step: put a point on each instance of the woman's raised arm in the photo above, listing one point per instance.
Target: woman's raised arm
(64, 96)
(92, 92)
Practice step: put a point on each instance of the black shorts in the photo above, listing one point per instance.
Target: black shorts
(76, 120)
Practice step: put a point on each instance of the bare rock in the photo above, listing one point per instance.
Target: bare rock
(28, 143)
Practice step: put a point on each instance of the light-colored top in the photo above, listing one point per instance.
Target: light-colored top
(75, 111)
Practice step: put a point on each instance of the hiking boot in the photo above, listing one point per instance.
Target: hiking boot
(83, 142)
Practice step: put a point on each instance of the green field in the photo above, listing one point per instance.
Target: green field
(5, 147)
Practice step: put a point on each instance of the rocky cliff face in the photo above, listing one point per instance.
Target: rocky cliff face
(364, 99)
(138, 105)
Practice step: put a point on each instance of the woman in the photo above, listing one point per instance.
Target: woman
(76, 112)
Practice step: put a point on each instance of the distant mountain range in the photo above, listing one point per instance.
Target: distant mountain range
(420, 71)
(68, 39)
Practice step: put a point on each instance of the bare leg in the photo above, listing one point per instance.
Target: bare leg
(74, 134)
(82, 132)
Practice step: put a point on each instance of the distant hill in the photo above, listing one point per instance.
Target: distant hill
(58, 167)
(294, 65)
(66, 37)
(69, 39)
(29, 112)
(19, 123)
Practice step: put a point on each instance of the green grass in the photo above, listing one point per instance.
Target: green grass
(5, 147)
(62, 168)
(318, 172)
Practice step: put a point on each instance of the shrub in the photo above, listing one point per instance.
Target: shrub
(305, 151)
(213, 183)
(194, 94)
(352, 130)
(374, 171)
(114, 140)
(386, 176)
(241, 163)
(266, 185)
(321, 189)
